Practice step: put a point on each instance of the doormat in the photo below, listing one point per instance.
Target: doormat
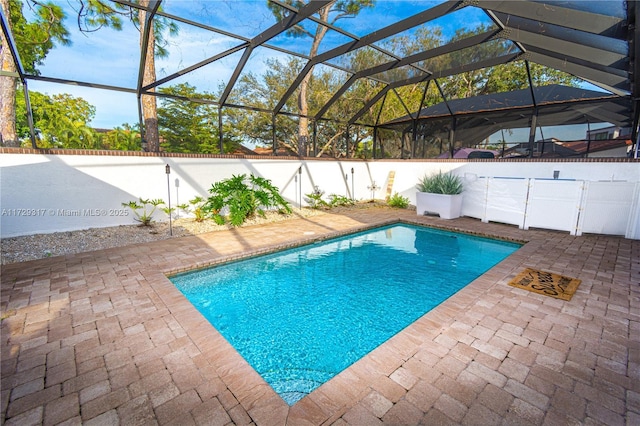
(546, 283)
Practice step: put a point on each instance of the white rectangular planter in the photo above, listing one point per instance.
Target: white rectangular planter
(446, 206)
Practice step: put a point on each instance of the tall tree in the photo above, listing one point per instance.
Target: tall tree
(92, 18)
(331, 13)
(149, 104)
(34, 39)
(121, 138)
(188, 126)
(60, 121)
(264, 92)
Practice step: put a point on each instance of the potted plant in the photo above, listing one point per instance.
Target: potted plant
(439, 193)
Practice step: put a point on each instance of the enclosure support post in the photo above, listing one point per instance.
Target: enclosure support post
(534, 117)
(346, 137)
(635, 133)
(143, 143)
(543, 142)
(533, 93)
(315, 138)
(375, 140)
(15, 55)
(414, 137)
(375, 127)
(452, 131)
(273, 134)
(586, 154)
(452, 136)
(415, 123)
(27, 103)
(148, 21)
(220, 135)
(532, 130)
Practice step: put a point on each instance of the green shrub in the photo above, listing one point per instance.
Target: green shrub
(198, 208)
(340, 200)
(143, 209)
(315, 200)
(184, 207)
(195, 206)
(398, 201)
(244, 197)
(168, 210)
(440, 183)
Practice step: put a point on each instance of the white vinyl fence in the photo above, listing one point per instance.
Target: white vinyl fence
(576, 206)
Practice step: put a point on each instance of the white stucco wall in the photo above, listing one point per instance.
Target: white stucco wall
(43, 193)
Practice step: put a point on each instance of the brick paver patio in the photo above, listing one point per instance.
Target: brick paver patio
(103, 338)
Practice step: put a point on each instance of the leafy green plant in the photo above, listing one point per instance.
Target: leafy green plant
(398, 201)
(197, 208)
(184, 207)
(315, 200)
(244, 196)
(340, 200)
(143, 209)
(168, 210)
(440, 183)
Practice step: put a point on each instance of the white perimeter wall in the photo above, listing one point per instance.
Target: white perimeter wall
(43, 193)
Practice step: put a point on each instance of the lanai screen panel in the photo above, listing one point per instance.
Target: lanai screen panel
(220, 43)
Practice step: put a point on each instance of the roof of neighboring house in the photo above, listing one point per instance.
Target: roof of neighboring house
(280, 151)
(243, 150)
(580, 147)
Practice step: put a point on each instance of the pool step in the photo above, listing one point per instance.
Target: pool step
(294, 384)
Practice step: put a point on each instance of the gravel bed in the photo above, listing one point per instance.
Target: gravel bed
(40, 246)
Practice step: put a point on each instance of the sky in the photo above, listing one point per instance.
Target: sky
(112, 57)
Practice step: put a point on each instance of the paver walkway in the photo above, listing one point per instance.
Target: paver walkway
(103, 338)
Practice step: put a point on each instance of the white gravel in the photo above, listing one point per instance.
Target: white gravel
(40, 246)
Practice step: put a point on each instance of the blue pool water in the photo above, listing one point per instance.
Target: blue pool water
(301, 316)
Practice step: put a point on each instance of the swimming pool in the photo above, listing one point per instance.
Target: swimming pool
(301, 316)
